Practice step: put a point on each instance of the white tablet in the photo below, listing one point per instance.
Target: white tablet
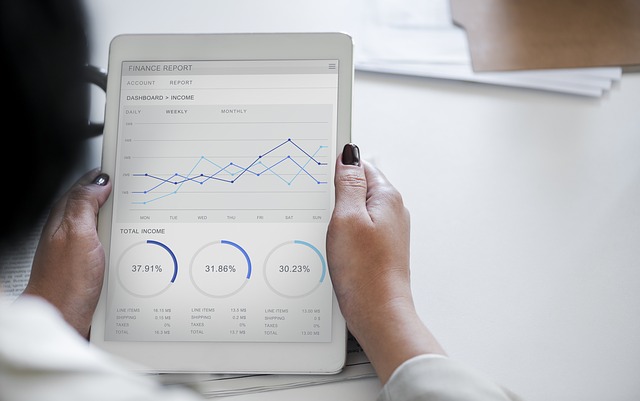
(222, 148)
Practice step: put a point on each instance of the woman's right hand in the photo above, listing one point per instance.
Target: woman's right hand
(368, 254)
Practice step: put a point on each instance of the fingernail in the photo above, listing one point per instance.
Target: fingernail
(101, 179)
(351, 155)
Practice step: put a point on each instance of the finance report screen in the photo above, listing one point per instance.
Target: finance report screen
(222, 197)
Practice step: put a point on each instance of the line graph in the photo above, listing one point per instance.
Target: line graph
(263, 161)
(231, 172)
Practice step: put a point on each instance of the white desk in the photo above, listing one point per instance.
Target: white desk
(525, 207)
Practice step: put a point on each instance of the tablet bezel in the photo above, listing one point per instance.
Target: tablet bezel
(223, 357)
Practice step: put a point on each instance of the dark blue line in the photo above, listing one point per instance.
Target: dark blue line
(303, 169)
(173, 256)
(212, 176)
(279, 146)
(242, 171)
(245, 170)
(303, 151)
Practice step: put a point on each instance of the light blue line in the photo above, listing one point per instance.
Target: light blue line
(305, 165)
(242, 170)
(324, 264)
(274, 173)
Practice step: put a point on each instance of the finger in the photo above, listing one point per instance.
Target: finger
(376, 180)
(85, 200)
(82, 200)
(382, 196)
(350, 182)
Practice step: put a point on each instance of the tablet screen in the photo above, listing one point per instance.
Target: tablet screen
(224, 193)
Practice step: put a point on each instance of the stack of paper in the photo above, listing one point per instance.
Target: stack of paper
(418, 37)
(213, 385)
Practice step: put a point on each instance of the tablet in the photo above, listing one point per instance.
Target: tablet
(221, 149)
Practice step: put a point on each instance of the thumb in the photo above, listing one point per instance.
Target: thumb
(350, 183)
(82, 202)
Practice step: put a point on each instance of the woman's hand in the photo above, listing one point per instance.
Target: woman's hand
(368, 242)
(68, 267)
(368, 254)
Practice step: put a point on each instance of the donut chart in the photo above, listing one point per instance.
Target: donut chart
(295, 269)
(147, 268)
(220, 269)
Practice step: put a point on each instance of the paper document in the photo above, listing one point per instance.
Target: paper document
(16, 264)
(211, 386)
(418, 37)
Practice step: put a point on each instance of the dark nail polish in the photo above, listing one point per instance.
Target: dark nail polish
(351, 155)
(101, 180)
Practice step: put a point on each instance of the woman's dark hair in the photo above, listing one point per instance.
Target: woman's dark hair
(45, 51)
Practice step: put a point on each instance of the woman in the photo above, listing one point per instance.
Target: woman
(43, 349)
